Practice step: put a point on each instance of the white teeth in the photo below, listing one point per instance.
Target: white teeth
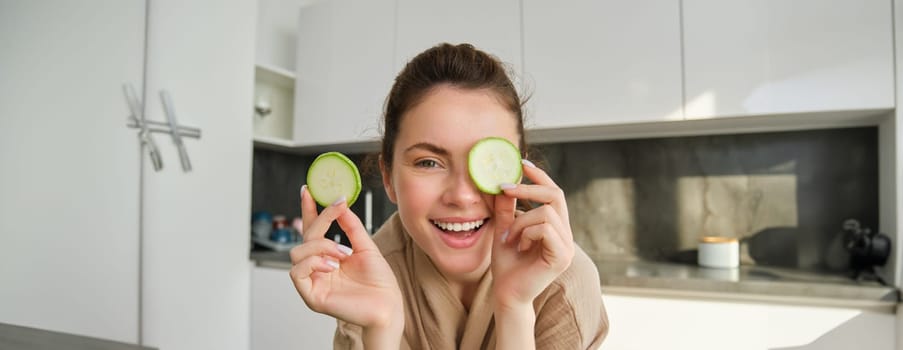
(459, 226)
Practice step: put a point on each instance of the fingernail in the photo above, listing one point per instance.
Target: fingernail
(339, 201)
(505, 236)
(528, 163)
(344, 249)
(334, 264)
(507, 186)
(303, 188)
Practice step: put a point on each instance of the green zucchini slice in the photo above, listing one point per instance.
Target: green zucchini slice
(493, 161)
(331, 176)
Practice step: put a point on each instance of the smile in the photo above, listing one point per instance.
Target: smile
(459, 226)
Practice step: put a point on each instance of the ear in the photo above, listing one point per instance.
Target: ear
(387, 180)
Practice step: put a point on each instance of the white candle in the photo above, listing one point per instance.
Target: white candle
(368, 211)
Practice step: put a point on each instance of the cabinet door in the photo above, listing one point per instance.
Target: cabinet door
(195, 225)
(492, 26)
(753, 57)
(602, 62)
(70, 181)
(716, 325)
(344, 70)
(279, 317)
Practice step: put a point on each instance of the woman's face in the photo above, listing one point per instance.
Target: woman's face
(439, 205)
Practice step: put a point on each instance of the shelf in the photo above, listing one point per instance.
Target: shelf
(274, 75)
(273, 143)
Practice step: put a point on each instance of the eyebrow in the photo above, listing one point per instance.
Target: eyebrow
(429, 147)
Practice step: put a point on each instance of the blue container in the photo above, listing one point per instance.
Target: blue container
(282, 235)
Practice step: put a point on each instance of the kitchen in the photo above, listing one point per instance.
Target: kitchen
(662, 128)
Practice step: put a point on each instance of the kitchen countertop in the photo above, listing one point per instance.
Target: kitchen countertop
(745, 284)
(25, 338)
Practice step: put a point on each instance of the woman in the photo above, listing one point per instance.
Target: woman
(454, 268)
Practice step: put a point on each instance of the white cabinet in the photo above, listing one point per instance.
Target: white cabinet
(349, 52)
(195, 242)
(277, 28)
(343, 70)
(279, 317)
(602, 62)
(756, 57)
(69, 209)
(651, 323)
(492, 26)
(95, 242)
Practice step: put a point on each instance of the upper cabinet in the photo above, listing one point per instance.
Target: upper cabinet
(343, 70)
(492, 26)
(611, 68)
(756, 57)
(602, 62)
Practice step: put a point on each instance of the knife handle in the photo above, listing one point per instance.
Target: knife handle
(183, 156)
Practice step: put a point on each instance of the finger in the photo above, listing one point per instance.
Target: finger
(502, 217)
(305, 268)
(308, 207)
(538, 216)
(549, 195)
(302, 271)
(354, 229)
(537, 175)
(319, 247)
(539, 178)
(317, 228)
(554, 250)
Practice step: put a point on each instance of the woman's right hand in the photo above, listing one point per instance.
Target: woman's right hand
(358, 287)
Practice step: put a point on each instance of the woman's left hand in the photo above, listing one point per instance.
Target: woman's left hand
(530, 249)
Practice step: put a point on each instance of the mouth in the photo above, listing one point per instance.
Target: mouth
(460, 234)
(465, 227)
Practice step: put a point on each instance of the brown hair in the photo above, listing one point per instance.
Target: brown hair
(461, 66)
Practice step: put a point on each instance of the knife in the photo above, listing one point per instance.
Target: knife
(174, 126)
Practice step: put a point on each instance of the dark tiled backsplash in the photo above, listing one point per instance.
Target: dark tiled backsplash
(784, 194)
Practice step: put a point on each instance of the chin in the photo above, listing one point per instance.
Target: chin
(460, 266)
(474, 260)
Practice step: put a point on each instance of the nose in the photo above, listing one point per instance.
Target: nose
(460, 190)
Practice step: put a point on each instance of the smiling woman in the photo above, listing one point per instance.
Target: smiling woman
(455, 267)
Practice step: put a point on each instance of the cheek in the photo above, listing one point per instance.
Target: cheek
(414, 191)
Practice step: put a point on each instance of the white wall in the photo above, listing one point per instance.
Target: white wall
(277, 22)
(891, 160)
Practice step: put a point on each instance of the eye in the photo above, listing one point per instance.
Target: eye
(426, 163)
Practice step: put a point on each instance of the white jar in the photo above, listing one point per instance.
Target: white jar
(719, 252)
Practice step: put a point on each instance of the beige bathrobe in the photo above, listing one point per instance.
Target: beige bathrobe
(569, 313)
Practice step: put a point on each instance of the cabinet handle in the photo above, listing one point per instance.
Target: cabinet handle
(137, 118)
